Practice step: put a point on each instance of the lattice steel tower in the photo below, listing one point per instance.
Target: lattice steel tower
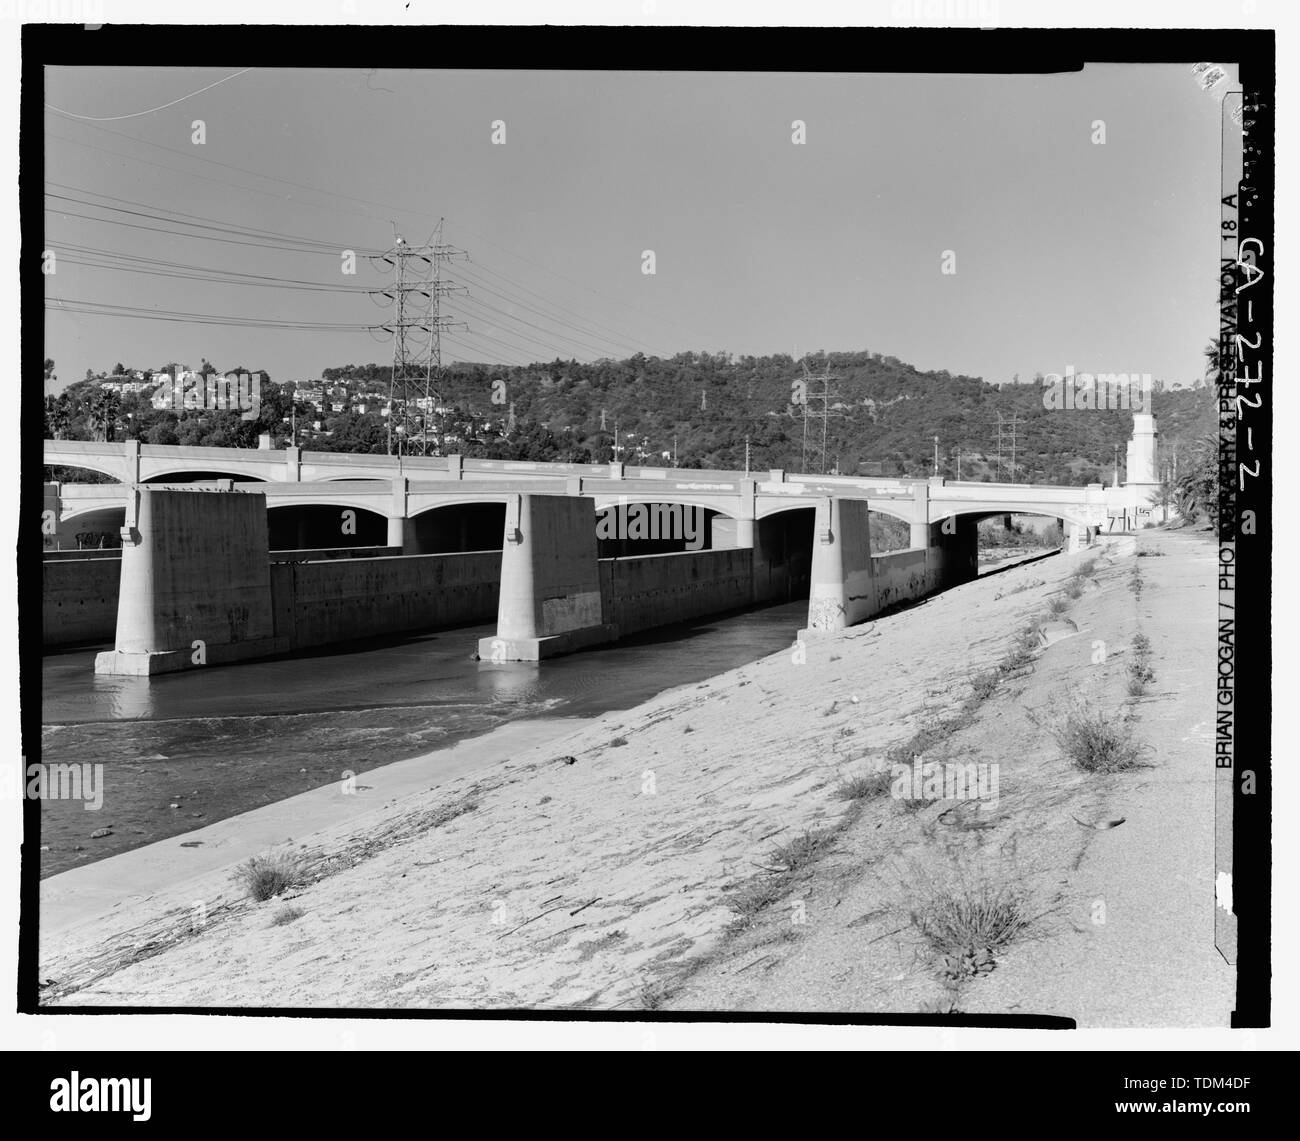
(416, 329)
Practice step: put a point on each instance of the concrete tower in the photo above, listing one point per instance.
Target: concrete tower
(1142, 467)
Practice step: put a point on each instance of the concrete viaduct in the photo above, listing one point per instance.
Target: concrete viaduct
(403, 489)
(543, 578)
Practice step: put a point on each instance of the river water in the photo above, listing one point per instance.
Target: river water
(184, 750)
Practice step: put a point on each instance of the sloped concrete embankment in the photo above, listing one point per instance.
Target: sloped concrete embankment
(603, 870)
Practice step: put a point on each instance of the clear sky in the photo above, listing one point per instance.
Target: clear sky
(1067, 252)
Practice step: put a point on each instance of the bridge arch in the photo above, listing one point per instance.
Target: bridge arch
(464, 523)
(238, 472)
(977, 512)
(690, 523)
(108, 467)
(309, 524)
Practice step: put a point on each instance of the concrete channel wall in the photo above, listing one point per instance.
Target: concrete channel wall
(341, 600)
(81, 589)
(646, 591)
(79, 599)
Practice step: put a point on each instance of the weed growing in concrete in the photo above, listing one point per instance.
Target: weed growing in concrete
(1150, 553)
(1087, 568)
(1074, 588)
(863, 787)
(756, 895)
(446, 813)
(1097, 743)
(984, 685)
(967, 926)
(1140, 674)
(795, 854)
(1056, 605)
(267, 876)
(1021, 652)
(652, 995)
(1139, 677)
(287, 914)
(618, 742)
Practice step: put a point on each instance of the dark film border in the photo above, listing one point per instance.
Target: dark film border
(1017, 51)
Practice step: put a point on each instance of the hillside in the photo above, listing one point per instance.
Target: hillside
(695, 407)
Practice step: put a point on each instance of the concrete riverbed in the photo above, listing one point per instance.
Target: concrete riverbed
(600, 869)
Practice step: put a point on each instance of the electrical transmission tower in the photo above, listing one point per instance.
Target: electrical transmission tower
(1007, 426)
(814, 441)
(416, 329)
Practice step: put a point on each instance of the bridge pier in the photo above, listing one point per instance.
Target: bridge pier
(550, 601)
(850, 584)
(842, 592)
(195, 583)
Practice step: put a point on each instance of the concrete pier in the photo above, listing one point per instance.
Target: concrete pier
(842, 592)
(195, 583)
(550, 600)
(850, 584)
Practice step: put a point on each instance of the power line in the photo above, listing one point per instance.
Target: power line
(206, 278)
(151, 110)
(268, 237)
(622, 338)
(105, 309)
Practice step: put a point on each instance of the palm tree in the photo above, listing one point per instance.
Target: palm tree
(1212, 371)
(1198, 486)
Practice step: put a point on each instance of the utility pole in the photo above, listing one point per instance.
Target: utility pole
(936, 456)
(747, 455)
(674, 449)
(416, 296)
(1116, 477)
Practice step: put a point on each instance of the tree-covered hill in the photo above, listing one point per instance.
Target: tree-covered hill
(883, 414)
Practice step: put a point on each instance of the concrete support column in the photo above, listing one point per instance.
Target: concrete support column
(397, 533)
(293, 464)
(195, 584)
(400, 528)
(1079, 538)
(745, 512)
(550, 601)
(920, 526)
(131, 474)
(455, 466)
(842, 592)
